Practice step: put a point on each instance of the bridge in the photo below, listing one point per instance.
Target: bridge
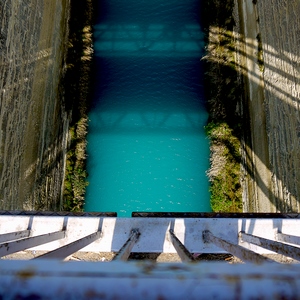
(250, 237)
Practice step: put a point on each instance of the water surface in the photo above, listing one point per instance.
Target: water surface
(147, 150)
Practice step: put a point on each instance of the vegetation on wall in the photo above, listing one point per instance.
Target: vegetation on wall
(78, 89)
(223, 91)
(75, 173)
(224, 173)
(260, 59)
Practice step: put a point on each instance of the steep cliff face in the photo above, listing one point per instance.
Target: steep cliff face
(269, 61)
(33, 121)
(253, 82)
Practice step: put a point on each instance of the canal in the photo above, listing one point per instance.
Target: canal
(147, 148)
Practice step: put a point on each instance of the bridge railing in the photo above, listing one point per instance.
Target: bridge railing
(62, 235)
(249, 237)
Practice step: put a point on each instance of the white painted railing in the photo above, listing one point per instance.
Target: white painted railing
(245, 236)
(45, 279)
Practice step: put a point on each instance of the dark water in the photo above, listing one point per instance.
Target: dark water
(147, 150)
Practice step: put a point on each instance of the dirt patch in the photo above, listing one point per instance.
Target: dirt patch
(155, 257)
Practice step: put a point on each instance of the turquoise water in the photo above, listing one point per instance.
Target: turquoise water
(147, 150)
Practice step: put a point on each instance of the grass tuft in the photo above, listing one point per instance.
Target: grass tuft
(224, 172)
(78, 86)
(223, 94)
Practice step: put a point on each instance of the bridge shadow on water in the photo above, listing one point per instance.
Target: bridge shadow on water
(122, 57)
(266, 68)
(143, 29)
(148, 105)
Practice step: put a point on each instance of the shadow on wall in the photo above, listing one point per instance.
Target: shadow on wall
(44, 84)
(260, 55)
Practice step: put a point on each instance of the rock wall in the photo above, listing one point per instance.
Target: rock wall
(33, 122)
(269, 57)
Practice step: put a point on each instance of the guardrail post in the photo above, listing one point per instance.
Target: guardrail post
(236, 250)
(11, 236)
(125, 251)
(287, 238)
(277, 247)
(69, 249)
(16, 246)
(181, 250)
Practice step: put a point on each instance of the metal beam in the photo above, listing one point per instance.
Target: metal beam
(214, 215)
(46, 279)
(16, 246)
(117, 230)
(69, 249)
(236, 250)
(11, 236)
(287, 238)
(125, 251)
(277, 247)
(183, 253)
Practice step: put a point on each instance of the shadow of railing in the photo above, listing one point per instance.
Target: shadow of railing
(275, 116)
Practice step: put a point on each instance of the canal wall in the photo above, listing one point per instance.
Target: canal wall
(253, 99)
(33, 118)
(35, 107)
(268, 51)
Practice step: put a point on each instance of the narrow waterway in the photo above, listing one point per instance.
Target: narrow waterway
(147, 149)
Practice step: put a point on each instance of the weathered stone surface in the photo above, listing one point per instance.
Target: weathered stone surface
(280, 30)
(33, 122)
(273, 149)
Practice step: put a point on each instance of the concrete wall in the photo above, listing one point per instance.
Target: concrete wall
(272, 149)
(33, 123)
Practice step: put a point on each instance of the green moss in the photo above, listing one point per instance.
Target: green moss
(75, 173)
